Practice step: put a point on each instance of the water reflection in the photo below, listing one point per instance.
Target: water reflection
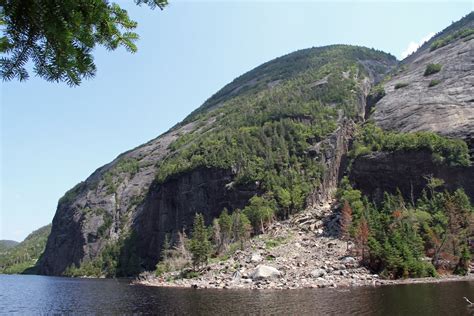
(37, 294)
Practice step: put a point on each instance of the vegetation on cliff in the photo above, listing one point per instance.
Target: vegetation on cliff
(22, 257)
(401, 238)
(370, 138)
(264, 134)
(463, 33)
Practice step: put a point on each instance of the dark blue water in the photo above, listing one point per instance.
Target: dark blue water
(53, 295)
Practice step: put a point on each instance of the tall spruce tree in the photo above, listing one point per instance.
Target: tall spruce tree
(58, 36)
(200, 246)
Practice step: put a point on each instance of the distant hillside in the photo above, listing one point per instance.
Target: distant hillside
(7, 244)
(21, 257)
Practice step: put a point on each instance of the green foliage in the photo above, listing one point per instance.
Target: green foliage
(200, 246)
(289, 67)
(241, 227)
(434, 82)
(260, 211)
(401, 234)
(264, 133)
(127, 165)
(432, 69)
(22, 257)
(370, 138)
(71, 195)
(274, 242)
(400, 85)
(117, 259)
(7, 244)
(189, 274)
(224, 223)
(451, 38)
(103, 229)
(376, 93)
(59, 37)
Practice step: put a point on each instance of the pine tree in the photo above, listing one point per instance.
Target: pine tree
(216, 235)
(225, 223)
(60, 36)
(241, 227)
(200, 246)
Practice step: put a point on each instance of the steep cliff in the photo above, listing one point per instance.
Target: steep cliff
(413, 98)
(285, 124)
(439, 101)
(408, 172)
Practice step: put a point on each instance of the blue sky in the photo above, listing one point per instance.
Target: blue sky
(54, 136)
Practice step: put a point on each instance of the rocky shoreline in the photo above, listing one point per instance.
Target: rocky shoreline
(294, 254)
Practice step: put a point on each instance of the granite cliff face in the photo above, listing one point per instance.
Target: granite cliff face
(447, 107)
(408, 172)
(156, 188)
(442, 102)
(128, 196)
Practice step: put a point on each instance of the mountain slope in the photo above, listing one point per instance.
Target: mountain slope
(22, 257)
(411, 100)
(443, 101)
(283, 126)
(280, 132)
(7, 244)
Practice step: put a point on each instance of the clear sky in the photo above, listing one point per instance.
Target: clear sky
(54, 136)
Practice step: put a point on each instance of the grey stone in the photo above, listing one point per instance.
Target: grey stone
(316, 273)
(263, 272)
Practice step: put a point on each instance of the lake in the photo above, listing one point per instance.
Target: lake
(40, 294)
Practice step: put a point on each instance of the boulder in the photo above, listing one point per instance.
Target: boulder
(316, 273)
(348, 260)
(263, 272)
(256, 257)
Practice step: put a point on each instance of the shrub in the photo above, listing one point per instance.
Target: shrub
(434, 83)
(260, 212)
(400, 234)
(400, 85)
(453, 152)
(432, 69)
(451, 38)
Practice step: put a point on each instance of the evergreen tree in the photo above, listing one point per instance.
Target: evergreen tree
(200, 246)
(59, 36)
(225, 224)
(260, 212)
(216, 235)
(241, 227)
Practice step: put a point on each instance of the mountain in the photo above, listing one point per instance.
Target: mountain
(286, 132)
(410, 100)
(443, 101)
(7, 244)
(22, 257)
(219, 156)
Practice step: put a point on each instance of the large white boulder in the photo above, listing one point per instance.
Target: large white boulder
(265, 272)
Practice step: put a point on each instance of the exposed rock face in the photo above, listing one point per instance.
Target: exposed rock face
(331, 152)
(407, 171)
(110, 193)
(170, 208)
(124, 196)
(446, 108)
